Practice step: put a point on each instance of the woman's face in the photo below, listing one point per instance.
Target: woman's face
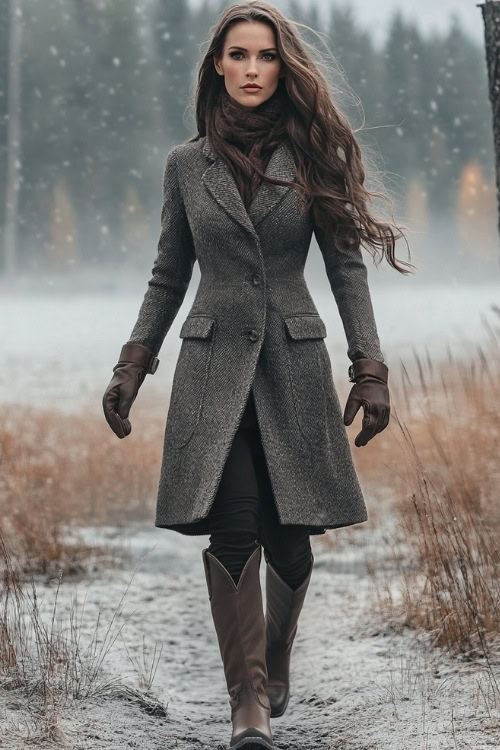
(250, 56)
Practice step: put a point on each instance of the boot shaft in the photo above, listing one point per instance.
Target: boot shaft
(237, 611)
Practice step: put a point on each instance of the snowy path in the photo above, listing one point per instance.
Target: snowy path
(356, 684)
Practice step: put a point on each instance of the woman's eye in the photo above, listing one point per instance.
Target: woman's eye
(267, 54)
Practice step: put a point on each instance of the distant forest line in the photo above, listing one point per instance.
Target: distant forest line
(105, 89)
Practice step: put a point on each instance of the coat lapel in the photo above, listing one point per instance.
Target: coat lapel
(219, 181)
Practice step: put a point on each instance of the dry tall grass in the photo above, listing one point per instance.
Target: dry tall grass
(59, 471)
(441, 461)
(46, 663)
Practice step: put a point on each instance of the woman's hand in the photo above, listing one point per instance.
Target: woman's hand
(135, 362)
(370, 391)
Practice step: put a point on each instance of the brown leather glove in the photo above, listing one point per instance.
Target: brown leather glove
(135, 362)
(370, 391)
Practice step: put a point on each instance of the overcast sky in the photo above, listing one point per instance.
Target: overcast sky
(429, 14)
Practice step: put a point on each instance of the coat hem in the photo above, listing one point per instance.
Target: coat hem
(200, 528)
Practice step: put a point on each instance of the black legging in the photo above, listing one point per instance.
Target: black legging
(244, 513)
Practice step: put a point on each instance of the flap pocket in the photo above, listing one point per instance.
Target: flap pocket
(306, 327)
(198, 327)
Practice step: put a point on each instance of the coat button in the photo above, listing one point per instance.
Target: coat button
(253, 335)
(255, 280)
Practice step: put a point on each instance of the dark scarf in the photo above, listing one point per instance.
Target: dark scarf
(255, 133)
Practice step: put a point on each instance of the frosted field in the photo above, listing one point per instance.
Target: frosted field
(60, 347)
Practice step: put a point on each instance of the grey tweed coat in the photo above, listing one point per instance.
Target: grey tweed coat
(252, 324)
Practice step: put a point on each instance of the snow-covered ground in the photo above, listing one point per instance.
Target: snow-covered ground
(357, 684)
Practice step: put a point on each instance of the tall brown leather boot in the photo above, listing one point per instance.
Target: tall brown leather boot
(238, 617)
(283, 607)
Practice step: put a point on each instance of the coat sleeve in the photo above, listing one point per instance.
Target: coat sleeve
(348, 279)
(172, 268)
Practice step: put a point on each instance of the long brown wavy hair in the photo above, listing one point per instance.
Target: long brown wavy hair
(329, 184)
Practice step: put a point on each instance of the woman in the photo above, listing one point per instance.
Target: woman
(255, 449)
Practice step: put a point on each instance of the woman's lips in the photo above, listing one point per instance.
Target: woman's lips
(251, 89)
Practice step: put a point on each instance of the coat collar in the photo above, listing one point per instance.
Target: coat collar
(219, 181)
